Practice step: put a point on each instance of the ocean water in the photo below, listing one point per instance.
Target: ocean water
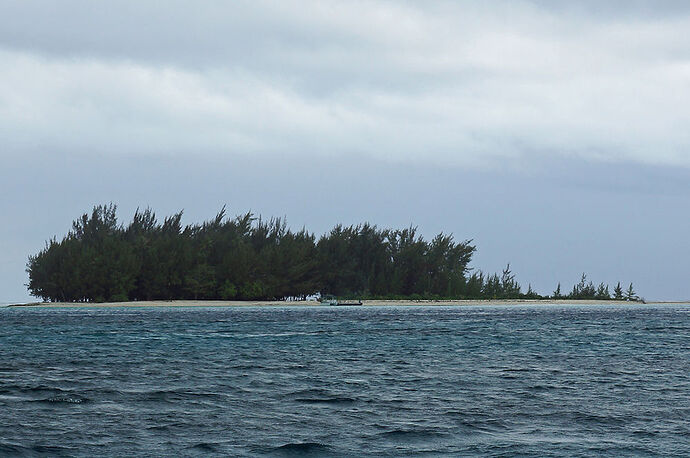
(515, 380)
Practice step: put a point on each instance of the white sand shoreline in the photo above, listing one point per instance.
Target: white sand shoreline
(192, 303)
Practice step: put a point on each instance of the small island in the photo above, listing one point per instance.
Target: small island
(247, 258)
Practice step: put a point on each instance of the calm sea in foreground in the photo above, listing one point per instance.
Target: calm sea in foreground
(516, 380)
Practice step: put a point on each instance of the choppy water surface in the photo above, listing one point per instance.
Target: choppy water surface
(485, 381)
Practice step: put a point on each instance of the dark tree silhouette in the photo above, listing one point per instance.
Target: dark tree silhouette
(249, 258)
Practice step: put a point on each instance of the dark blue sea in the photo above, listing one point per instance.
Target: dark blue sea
(519, 380)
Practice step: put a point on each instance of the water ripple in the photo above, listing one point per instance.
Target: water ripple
(366, 381)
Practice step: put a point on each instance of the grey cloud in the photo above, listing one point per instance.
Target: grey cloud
(119, 107)
(617, 9)
(214, 33)
(554, 133)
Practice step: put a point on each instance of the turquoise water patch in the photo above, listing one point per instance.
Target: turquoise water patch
(364, 381)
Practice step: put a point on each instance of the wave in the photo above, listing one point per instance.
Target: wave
(605, 420)
(12, 449)
(251, 335)
(43, 394)
(40, 389)
(485, 425)
(412, 434)
(173, 395)
(317, 396)
(168, 427)
(360, 394)
(333, 400)
(8, 449)
(63, 400)
(303, 448)
(204, 447)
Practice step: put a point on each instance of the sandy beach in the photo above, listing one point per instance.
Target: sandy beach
(192, 303)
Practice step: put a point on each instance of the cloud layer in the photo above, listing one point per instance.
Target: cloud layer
(453, 83)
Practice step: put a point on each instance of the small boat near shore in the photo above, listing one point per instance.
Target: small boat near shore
(349, 303)
(330, 300)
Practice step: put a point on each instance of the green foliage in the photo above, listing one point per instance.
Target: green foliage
(618, 292)
(630, 294)
(531, 294)
(585, 289)
(603, 292)
(248, 258)
(227, 290)
(239, 258)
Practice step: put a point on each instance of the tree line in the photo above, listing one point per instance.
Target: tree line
(250, 258)
(585, 289)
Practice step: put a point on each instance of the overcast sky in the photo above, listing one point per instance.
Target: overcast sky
(553, 134)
